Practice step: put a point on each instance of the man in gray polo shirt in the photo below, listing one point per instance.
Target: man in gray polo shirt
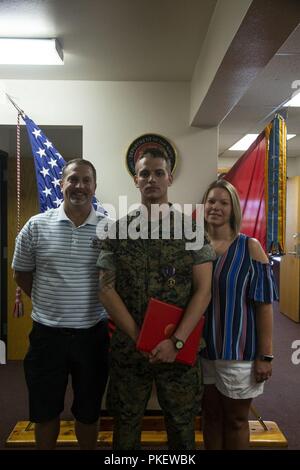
(55, 264)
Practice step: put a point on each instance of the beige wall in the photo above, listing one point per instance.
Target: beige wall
(112, 115)
(293, 166)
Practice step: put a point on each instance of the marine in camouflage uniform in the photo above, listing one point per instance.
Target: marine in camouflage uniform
(145, 268)
(141, 268)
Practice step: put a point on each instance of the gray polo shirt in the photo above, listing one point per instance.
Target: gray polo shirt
(63, 259)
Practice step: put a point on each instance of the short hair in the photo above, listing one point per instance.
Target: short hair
(156, 152)
(236, 215)
(79, 162)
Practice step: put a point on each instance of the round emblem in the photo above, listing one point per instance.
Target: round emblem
(140, 144)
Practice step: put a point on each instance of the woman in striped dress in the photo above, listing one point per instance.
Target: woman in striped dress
(238, 332)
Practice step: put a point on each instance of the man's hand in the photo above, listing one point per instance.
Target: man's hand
(164, 352)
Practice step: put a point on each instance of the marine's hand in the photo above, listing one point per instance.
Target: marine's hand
(163, 352)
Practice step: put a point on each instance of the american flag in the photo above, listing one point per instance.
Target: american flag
(48, 164)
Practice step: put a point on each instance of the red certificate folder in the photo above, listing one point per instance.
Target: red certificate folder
(160, 322)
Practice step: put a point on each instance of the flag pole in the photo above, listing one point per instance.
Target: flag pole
(18, 307)
(15, 105)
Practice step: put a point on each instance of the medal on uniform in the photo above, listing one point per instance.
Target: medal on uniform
(169, 273)
(171, 282)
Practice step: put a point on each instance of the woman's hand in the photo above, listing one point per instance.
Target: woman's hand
(262, 370)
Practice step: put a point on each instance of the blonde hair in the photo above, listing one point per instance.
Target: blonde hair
(236, 214)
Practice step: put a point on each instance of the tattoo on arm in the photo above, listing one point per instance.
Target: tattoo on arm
(106, 280)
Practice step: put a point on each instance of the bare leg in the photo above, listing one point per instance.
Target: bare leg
(212, 418)
(46, 434)
(236, 425)
(87, 435)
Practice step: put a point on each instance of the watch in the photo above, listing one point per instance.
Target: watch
(266, 357)
(178, 343)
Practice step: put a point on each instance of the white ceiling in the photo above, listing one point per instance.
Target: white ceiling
(161, 40)
(111, 39)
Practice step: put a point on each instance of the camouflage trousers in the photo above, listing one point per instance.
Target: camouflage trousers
(179, 391)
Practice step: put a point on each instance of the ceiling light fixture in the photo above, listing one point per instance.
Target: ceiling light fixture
(245, 142)
(17, 51)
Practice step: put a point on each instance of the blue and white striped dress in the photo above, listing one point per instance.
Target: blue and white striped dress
(238, 282)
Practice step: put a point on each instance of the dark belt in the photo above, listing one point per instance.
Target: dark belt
(68, 331)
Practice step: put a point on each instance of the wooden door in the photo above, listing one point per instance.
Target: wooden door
(290, 263)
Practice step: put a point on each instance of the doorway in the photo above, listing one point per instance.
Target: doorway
(3, 246)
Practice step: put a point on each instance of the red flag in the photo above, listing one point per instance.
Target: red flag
(248, 177)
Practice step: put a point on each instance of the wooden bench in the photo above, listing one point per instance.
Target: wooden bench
(153, 434)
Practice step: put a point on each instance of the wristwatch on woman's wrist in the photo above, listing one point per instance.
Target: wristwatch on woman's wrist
(265, 357)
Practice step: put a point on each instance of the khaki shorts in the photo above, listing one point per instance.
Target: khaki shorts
(234, 379)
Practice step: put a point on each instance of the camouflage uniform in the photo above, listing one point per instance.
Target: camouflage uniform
(143, 269)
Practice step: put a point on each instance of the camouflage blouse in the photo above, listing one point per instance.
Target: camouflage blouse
(144, 268)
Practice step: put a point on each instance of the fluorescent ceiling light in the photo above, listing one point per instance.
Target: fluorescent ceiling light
(294, 102)
(30, 51)
(245, 142)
